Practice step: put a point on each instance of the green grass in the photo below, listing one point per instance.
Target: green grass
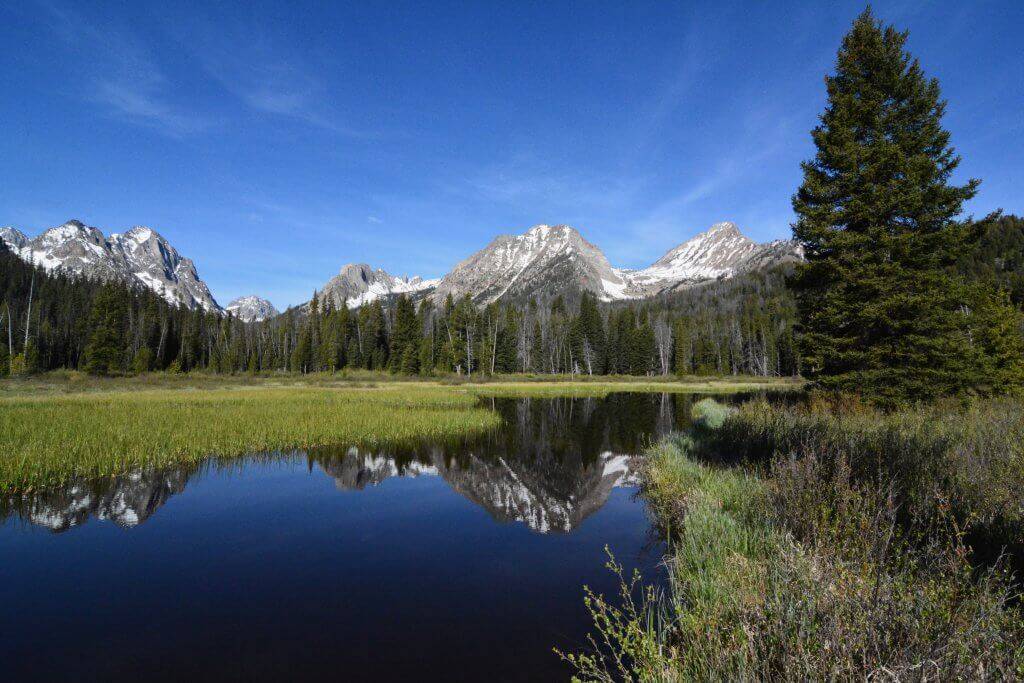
(722, 549)
(718, 519)
(62, 425)
(802, 569)
(49, 439)
(602, 387)
(75, 382)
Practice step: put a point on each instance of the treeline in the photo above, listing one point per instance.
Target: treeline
(55, 320)
(999, 256)
(739, 326)
(744, 325)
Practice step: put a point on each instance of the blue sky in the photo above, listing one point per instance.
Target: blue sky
(273, 142)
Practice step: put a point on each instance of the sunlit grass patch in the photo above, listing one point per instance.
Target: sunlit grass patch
(49, 439)
(599, 388)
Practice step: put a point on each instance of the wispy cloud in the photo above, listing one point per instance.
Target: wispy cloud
(139, 103)
(117, 72)
(116, 69)
(554, 191)
(265, 72)
(763, 135)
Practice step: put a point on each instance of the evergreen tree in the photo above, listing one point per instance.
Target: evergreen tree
(642, 350)
(508, 333)
(682, 353)
(537, 349)
(104, 353)
(882, 310)
(405, 335)
(410, 364)
(426, 358)
(142, 361)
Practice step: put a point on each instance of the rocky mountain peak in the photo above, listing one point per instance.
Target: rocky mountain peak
(549, 260)
(358, 283)
(251, 308)
(541, 262)
(139, 255)
(720, 251)
(14, 238)
(723, 228)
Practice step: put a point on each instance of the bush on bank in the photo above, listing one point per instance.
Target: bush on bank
(829, 558)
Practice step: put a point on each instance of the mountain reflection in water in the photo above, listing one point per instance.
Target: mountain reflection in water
(553, 463)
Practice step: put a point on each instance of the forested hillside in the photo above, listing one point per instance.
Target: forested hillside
(738, 326)
(60, 321)
(742, 325)
(1000, 255)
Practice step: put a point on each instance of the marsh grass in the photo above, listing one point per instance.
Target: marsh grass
(67, 424)
(709, 414)
(75, 382)
(961, 460)
(804, 569)
(601, 388)
(50, 439)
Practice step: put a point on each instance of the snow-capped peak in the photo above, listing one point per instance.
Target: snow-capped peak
(548, 260)
(139, 255)
(251, 309)
(543, 261)
(358, 283)
(15, 239)
(140, 234)
(721, 251)
(723, 228)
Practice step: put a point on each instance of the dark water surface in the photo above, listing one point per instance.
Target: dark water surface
(461, 561)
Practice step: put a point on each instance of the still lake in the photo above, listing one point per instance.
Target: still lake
(441, 561)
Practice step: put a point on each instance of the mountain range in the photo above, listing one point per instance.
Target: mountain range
(548, 260)
(542, 262)
(140, 255)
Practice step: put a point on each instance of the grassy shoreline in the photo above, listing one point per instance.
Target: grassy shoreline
(802, 567)
(63, 425)
(49, 439)
(597, 388)
(72, 381)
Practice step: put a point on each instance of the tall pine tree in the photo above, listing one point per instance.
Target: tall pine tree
(104, 353)
(882, 309)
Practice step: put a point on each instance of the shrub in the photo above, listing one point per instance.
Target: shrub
(709, 414)
(815, 570)
(963, 460)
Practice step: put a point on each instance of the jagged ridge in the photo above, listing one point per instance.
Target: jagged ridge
(549, 260)
(140, 255)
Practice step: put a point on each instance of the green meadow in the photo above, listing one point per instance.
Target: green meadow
(64, 425)
(601, 387)
(51, 438)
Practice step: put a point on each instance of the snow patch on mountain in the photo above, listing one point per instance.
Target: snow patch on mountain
(251, 309)
(722, 251)
(543, 261)
(549, 260)
(139, 255)
(357, 284)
